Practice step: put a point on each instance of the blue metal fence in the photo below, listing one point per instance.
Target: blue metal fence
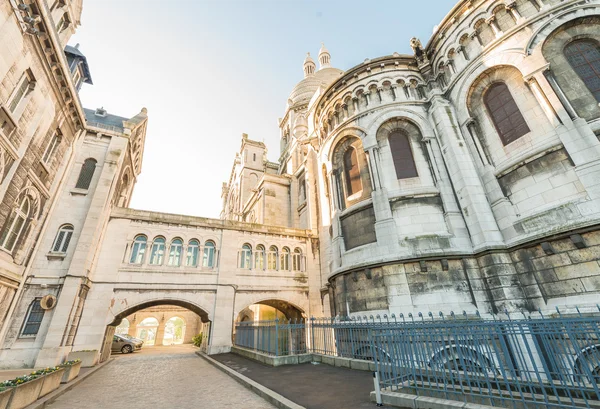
(530, 362)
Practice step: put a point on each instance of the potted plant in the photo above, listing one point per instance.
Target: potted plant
(88, 357)
(26, 390)
(72, 369)
(52, 377)
(5, 394)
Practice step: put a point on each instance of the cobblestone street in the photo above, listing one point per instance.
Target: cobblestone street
(161, 377)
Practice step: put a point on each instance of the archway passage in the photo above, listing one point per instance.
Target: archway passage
(156, 324)
(255, 327)
(269, 310)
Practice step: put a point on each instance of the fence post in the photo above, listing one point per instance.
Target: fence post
(312, 335)
(276, 336)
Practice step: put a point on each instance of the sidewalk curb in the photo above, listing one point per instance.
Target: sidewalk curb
(41, 403)
(262, 391)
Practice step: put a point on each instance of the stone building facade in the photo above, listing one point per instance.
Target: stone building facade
(462, 177)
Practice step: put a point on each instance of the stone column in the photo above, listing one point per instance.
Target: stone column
(385, 225)
(512, 8)
(471, 195)
(491, 21)
(502, 207)
(578, 139)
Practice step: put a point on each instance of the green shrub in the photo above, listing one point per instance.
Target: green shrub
(70, 363)
(197, 340)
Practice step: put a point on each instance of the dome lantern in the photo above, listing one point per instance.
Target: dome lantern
(324, 57)
(309, 66)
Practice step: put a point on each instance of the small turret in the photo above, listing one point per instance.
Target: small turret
(309, 66)
(324, 57)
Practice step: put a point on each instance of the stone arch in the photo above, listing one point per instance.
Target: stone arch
(544, 31)
(414, 117)
(291, 309)
(514, 59)
(572, 85)
(339, 135)
(141, 304)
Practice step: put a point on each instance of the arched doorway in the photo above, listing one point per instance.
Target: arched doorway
(270, 326)
(146, 331)
(157, 330)
(174, 331)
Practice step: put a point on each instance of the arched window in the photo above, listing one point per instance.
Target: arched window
(285, 259)
(33, 320)
(584, 57)
(404, 161)
(15, 225)
(208, 259)
(352, 172)
(297, 260)
(505, 113)
(157, 254)
(272, 258)
(259, 257)
(138, 250)
(175, 251)
(245, 256)
(63, 238)
(191, 259)
(86, 174)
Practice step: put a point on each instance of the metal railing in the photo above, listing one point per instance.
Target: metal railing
(277, 338)
(530, 362)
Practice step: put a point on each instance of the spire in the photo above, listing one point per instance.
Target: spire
(324, 57)
(309, 66)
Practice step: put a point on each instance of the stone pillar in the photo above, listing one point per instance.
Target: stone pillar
(512, 8)
(484, 231)
(491, 21)
(222, 322)
(132, 330)
(578, 139)
(160, 332)
(502, 208)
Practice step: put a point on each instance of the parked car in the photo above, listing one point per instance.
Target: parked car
(125, 345)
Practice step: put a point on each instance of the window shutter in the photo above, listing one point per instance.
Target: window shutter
(505, 113)
(584, 57)
(402, 155)
(86, 174)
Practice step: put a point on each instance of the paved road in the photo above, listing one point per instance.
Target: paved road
(160, 377)
(312, 386)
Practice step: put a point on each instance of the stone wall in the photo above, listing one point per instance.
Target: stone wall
(358, 228)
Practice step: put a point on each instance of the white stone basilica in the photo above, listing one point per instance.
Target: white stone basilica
(462, 177)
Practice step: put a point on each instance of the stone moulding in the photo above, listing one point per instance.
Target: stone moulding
(71, 372)
(88, 358)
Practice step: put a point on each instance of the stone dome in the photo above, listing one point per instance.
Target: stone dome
(306, 88)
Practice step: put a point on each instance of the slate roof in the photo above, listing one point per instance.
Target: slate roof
(109, 121)
(86, 68)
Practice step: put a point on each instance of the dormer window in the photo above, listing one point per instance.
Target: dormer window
(100, 112)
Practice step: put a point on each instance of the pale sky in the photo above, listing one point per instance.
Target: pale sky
(209, 71)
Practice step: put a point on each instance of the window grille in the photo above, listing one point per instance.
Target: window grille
(352, 172)
(505, 113)
(62, 240)
(158, 251)
(15, 225)
(86, 174)
(584, 57)
(175, 252)
(34, 319)
(191, 259)
(138, 250)
(402, 155)
(208, 258)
